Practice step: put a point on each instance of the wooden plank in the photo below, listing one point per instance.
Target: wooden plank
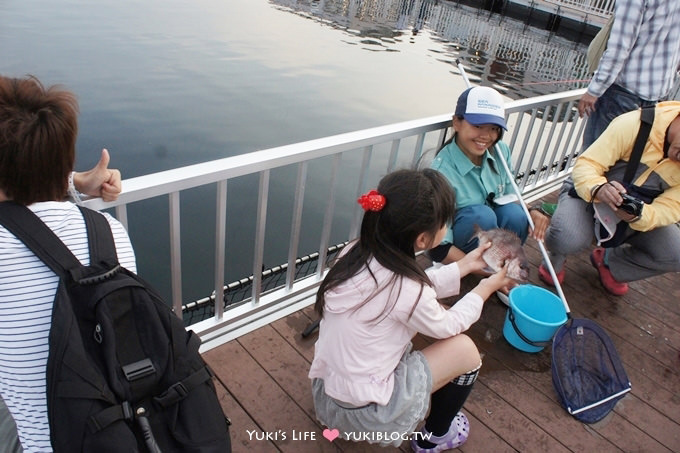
(658, 426)
(659, 298)
(646, 417)
(638, 349)
(291, 328)
(656, 332)
(482, 437)
(655, 426)
(288, 368)
(241, 424)
(278, 417)
(513, 406)
(545, 412)
(510, 424)
(643, 388)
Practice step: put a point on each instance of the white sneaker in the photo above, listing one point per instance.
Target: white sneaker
(503, 298)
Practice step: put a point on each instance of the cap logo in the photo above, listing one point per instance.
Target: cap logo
(485, 104)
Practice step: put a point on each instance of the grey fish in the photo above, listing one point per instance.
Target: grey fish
(506, 247)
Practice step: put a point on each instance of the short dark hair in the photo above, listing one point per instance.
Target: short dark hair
(38, 130)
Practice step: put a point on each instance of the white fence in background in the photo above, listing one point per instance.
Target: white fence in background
(544, 133)
(604, 8)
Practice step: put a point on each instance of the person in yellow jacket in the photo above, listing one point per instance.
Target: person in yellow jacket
(650, 239)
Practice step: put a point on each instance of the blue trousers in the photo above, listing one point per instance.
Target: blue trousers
(613, 102)
(508, 216)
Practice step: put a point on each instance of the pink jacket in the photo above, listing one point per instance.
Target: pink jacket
(356, 355)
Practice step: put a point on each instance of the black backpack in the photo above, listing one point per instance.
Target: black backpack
(123, 373)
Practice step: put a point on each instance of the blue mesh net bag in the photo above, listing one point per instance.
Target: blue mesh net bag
(587, 372)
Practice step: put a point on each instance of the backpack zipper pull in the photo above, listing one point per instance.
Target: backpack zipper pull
(98, 334)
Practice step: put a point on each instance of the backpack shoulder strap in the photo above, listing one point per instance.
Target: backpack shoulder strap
(647, 119)
(100, 238)
(47, 246)
(38, 237)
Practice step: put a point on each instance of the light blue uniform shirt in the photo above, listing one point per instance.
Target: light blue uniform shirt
(473, 183)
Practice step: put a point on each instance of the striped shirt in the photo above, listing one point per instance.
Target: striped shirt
(27, 290)
(643, 50)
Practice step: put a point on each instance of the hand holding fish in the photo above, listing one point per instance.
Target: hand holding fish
(506, 249)
(473, 262)
(498, 281)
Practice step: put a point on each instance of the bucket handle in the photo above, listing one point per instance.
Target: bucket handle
(538, 344)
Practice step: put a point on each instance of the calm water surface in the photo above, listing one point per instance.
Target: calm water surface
(169, 83)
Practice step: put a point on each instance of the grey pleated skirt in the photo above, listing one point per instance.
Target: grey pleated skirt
(386, 425)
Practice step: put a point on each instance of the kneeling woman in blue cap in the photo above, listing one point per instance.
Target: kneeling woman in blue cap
(470, 161)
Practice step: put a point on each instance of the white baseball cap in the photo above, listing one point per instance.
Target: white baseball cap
(482, 105)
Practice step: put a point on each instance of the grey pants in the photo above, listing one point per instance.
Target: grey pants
(643, 255)
(9, 442)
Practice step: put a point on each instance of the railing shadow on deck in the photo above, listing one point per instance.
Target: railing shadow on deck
(544, 133)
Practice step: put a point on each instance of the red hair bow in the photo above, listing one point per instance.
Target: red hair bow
(372, 201)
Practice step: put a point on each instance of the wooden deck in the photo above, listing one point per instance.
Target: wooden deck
(262, 379)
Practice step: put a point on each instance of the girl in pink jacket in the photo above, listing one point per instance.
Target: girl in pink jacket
(367, 382)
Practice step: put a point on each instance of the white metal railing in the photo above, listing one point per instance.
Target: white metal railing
(544, 133)
(603, 8)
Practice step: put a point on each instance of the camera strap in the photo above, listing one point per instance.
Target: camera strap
(609, 230)
(646, 121)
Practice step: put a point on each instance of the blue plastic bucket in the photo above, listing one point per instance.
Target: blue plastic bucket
(535, 314)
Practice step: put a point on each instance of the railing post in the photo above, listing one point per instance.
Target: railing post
(392, 161)
(175, 254)
(220, 244)
(121, 215)
(418, 151)
(363, 175)
(260, 227)
(328, 217)
(296, 223)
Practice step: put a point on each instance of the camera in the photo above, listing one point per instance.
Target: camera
(631, 205)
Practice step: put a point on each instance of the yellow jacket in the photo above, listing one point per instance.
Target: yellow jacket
(606, 160)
